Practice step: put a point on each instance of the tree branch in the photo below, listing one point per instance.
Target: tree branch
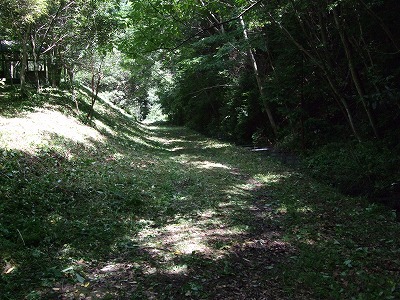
(250, 7)
(198, 92)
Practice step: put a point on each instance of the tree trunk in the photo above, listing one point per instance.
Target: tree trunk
(71, 74)
(24, 61)
(35, 62)
(326, 71)
(54, 69)
(259, 80)
(95, 92)
(353, 71)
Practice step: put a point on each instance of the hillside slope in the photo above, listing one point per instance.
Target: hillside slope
(121, 210)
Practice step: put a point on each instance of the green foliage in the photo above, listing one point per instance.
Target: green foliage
(322, 77)
(23, 12)
(125, 82)
(356, 168)
(195, 93)
(155, 24)
(330, 223)
(304, 75)
(241, 118)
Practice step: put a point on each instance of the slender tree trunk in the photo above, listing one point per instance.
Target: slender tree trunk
(24, 59)
(95, 95)
(93, 98)
(259, 80)
(35, 62)
(326, 71)
(344, 104)
(71, 74)
(353, 71)
(54, 68)
(221, 28)
(95, 84)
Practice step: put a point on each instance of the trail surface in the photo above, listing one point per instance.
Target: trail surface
(121, 210)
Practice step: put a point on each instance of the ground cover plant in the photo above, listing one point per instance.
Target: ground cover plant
(114, 209)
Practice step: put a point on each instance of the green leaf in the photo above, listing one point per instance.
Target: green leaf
(79, 278)
(348, 263)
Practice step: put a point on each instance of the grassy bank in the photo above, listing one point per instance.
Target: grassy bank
(120, 210)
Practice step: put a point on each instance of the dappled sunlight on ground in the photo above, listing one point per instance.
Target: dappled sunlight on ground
(165, 141)
(37, 129)
(155, 212)
(244, 188)
(115, 157)
(211, 144)
(157, 202)
(209, 165)
(141, 141)
(103, 127)
(187, 236)
(177, 149)
(271, 178)
(185, 158)
(237, 190)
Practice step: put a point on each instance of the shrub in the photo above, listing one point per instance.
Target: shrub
(367, 168)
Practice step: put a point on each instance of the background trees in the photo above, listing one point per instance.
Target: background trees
(297, 70)
(298, 74)
(18, 18)
(319, 67)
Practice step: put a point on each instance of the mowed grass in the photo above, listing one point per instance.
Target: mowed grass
(115, 209)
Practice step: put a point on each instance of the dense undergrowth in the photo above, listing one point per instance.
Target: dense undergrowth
(120, 210)
(369, 169)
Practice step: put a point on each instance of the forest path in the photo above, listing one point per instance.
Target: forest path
(121, 210)
(231, 224)
(215, 234)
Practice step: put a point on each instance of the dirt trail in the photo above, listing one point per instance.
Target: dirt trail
(232, 249)
(161, 212)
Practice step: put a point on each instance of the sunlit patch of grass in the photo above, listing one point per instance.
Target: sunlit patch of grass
(186, 158)
(305, 209)
(177, 269)
(35, 130)
(103, 127)
(184, 236)
(165, 141)
(238, 190)
(282, 209)
(142, 142)
(270, 177)
(213, 144)
(209, 165)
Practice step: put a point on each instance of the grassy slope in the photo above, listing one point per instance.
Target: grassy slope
(120, 210)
